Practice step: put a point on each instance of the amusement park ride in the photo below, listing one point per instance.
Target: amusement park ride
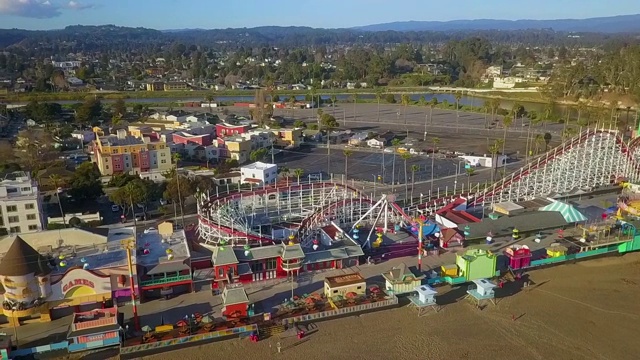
(270, 214)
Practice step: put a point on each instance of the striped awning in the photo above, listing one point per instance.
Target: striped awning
(570, 213)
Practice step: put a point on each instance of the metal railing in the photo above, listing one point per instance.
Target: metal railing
(165, 280)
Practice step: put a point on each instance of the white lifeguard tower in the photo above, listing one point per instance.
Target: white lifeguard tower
(424, 300)
(480, 291)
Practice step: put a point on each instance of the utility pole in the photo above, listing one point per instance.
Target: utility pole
(129, 245)
(179, 196)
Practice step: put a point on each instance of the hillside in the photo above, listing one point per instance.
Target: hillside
(613, 24)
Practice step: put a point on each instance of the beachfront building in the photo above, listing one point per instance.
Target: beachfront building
(255, 264)
(94, 329)
(72, 270)
(518, 256)
(476, 264)
(163, 262)
(402, 279)
(342, 285)
(20, 204)
(235, 302)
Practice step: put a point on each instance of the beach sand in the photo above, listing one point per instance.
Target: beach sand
(588, 310)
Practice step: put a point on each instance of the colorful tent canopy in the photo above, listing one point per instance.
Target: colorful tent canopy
(570, 213)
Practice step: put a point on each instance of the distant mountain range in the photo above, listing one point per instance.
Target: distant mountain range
(612, 24)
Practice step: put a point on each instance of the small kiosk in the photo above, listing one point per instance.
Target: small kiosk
(480, 291)
(235, 302)
(402, 279)
(519, 256)
(556, 250)
(425, 300)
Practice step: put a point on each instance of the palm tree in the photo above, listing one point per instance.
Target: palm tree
(547, 113)
(470, 172)
(378, 98)
(394, 145)
(292, 103)
(507, 121)
(581, 108)
(346, 153)
(486, 106)
(435, 141)
(458, 96)
(405, 156)
(538, 141)
(334, 100)
(494, 149)
(175, 157)
(298, 173)
(405, 99)
(432, 103)
(210, 98)
(285, 172)
(355, 101)
(414, 168)
(56, 180)
(495, 106)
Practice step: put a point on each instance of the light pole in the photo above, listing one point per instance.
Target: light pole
(375, 180)
(13, 321)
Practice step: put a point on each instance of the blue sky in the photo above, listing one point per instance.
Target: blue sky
(211, 14)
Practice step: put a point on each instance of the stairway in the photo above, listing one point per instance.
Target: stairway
(268, 331)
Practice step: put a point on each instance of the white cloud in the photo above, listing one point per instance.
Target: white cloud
(74, 5)
(39, 9)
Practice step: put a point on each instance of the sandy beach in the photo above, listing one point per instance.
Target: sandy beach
(587, 310)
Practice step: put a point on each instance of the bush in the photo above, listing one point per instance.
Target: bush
(390, 98)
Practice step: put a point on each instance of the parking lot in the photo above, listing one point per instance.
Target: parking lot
(365, 165)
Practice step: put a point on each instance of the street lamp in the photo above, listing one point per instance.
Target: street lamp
(13, 321)
(455, 182)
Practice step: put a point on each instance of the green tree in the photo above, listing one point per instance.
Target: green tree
(547, 140)
(292, 104)
(298, 173)
(494, 149)
(258, 155)
(119, 108)
(432, 103)
(390, 98)
(85, 183)
(470, 171)
(328, 121)
(128, 196)
(299, 124)
(406, 100)
(347, 153)
(88, 111)
(435, 141)
(507, 121)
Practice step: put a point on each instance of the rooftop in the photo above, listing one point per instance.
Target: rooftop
(114, 140)
(402, 273)
(234, 295)
(160, 251)
(344, 280)
(258, 165)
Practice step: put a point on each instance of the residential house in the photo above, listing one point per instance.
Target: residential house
(359, 139)
(124, 153)
(225, 129)
(178, 116)
(185, 138)
(381, 141)
(259, 173)
(20, 204)
(235, 148)
(84, 135)
(312, 135)
(288, 137)
(155, 86)
(176, 86)
(339, 137)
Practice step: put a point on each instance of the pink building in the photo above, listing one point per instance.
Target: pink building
(228, 129)
(186, 138)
